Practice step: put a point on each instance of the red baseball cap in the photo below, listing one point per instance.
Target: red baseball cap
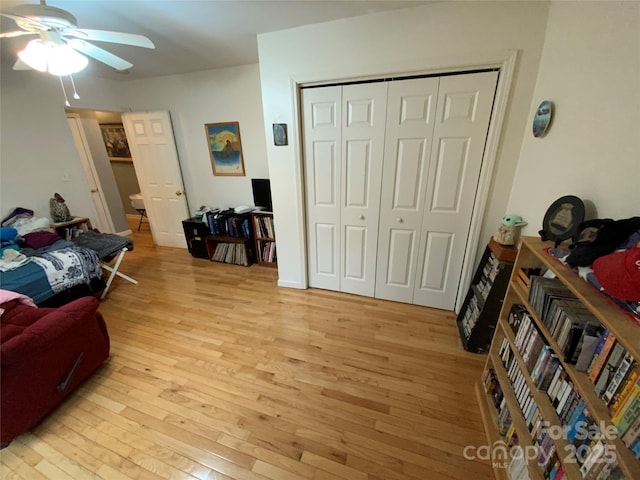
(619, 273)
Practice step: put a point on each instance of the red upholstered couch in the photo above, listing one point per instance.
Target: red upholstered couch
(45, 353)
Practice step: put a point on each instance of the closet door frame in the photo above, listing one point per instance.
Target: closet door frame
(504, 61)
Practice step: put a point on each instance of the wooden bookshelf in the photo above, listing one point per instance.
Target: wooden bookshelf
(479, 313)
(532, 255)
(231, 238)
(265, 238)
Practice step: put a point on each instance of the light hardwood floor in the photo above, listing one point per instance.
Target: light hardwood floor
(216, 373)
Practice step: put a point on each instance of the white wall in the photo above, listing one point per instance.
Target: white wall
(422, 39)
(36, 146)
(213, 96)
(590, 69)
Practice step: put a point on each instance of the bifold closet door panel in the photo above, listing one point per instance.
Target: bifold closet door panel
(363, 136)
(411, 108)
(462, 121)
(322, 127)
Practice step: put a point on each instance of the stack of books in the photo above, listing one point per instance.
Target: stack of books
(231, 225)
(264, 226)
(268, 252)
(575, 329)
(231, 253)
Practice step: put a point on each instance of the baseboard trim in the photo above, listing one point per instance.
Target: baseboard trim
(125, 233)
(289, 284)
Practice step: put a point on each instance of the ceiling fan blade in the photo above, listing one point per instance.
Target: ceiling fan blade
(20, 65)
(99, 54)
(111, 37)
(23, 21)
(17, 33)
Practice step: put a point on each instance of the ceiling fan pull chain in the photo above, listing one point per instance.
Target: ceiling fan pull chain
(66, 100)
(75, 94)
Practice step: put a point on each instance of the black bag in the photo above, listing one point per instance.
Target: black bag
(595, 238)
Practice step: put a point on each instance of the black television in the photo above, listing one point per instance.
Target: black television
(262, 193)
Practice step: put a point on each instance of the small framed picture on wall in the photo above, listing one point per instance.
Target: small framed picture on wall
(280, 134)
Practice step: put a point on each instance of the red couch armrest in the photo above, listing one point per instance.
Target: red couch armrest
(47, 330)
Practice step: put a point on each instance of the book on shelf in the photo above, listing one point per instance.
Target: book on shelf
(618, 377)
(268, 252)
(635, 448)
(595, 452)
(230, 253)
(598, 363)
(629, 412)
(546, 376)
(227, 224)
(517, 468)
(623, 393)
(632, 434)
(616, 356)
(543, 291)
(264, 226)
(587, 351)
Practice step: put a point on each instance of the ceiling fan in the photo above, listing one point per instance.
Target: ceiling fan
(62, 47)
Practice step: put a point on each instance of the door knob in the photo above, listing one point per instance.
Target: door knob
(361, 217)
(94, 190)
(178, 193)
(399, 220)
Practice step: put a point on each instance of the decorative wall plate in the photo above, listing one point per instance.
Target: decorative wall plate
(562, 219)
(542, 118)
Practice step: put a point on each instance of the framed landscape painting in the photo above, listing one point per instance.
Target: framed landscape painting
(115, 141)
(225, 148)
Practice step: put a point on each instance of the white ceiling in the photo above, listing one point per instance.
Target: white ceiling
(191, 35)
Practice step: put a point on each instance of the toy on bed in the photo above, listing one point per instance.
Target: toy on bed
(39, 264)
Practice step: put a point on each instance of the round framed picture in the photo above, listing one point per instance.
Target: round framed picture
(542, 118)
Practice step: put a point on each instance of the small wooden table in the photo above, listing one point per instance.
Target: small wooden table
(72, 228)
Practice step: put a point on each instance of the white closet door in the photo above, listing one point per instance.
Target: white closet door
(462, 122)
(410, 118)
(363, 137)
(322, 161)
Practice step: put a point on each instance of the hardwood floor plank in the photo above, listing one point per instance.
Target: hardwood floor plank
(332, 467)
(217, 374)
(12, 465)
(274, 472)
(267, 456)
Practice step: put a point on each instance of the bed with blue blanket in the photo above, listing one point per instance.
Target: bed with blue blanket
(65, 270)
(55, 274)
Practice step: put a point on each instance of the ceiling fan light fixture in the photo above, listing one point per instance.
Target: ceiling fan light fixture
(57, 59)
(35, 55)
(64, 60)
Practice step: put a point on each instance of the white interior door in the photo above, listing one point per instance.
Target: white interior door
(155, 160)
(322, 162)
(364, 109)
(411, 111)
(103, 222)
(460, 131)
